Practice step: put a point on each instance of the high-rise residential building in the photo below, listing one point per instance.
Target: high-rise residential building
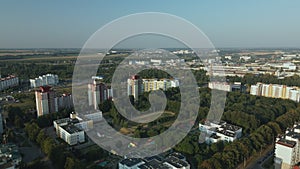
(135, 86)
(98, 92)
(45, 100)
(48, 79)
(9, 81)
(64, 101)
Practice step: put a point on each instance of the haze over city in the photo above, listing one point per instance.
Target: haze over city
(149, 85)
(59, 24)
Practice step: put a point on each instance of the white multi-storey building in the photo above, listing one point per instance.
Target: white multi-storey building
(220, 131)
(71, 134)
(48, 79)
(131, 163)
(254, 90)
(9, 81)
(287, 148)
(47, 102)
(71, 128)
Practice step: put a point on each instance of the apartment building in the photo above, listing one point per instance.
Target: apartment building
(287, 148)
(276, 91)
(8, 82)
(47, 102)
(98, 92)
(136, 85)
(48, 79)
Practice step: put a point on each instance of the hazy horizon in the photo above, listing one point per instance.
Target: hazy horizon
(228, 24)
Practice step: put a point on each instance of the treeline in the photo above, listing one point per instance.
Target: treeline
(18, 117)
(256, 115)
(251, 79)
(250, 112)
(240, 150)
(33, 70)
(56, 152)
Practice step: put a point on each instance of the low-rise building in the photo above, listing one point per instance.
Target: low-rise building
(220, 131)
(71, 134)
(130, 163)
(171, 161)
(71, 130)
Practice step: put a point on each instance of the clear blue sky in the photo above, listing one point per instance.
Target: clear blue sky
(228, 23)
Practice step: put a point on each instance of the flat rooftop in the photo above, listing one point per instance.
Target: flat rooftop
(66, 120)
(231, 127)
(129, 162)
(154, 164)
(176, 162)
(286, 143)
(70, 128)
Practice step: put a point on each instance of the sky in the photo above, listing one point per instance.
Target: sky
(69, 24)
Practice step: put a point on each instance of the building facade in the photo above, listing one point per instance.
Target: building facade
(71, 129)
(47, 102)
(287, 148)
(48, 79)
(8, 82)
(224, 86)
(221, 131)
(134, 86)
(276, 91)
(170, 161)
(98, 92)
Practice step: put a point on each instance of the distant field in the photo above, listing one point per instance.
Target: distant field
(45, 57)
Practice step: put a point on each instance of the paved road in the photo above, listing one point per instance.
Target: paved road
(260, 161)
(32, 152)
